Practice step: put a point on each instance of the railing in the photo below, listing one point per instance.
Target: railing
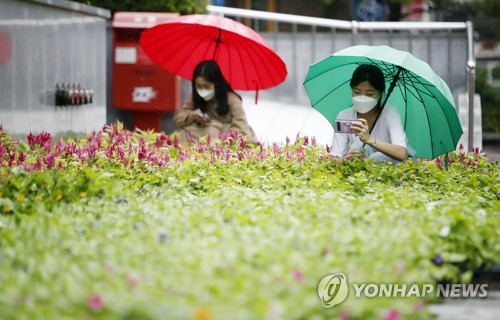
(426, 40)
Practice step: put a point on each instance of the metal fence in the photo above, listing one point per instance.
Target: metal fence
(446, 46)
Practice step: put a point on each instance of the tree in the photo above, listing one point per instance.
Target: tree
(181, 6)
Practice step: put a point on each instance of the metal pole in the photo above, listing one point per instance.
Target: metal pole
(471, 81)
(313, 55)
(354, 28)
(294, 57)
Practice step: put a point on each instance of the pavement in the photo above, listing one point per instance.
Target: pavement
(491, 146)
(487, 308)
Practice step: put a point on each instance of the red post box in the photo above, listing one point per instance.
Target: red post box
(139, 85)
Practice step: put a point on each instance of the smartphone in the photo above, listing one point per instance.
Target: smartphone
(343, 126)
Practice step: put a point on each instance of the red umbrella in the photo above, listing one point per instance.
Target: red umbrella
(247, 61)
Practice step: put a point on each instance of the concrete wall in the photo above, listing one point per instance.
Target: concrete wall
(51, 41)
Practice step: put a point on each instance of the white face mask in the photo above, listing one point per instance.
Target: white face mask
(207, 95)
(363, 104)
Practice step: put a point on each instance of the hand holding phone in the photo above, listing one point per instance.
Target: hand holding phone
(201, 118)
(343, 126)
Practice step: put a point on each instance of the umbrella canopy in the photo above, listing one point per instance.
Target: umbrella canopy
(247, 61)
(421, 97)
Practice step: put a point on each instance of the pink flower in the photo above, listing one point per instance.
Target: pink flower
(276, 149)
(275, 311)
(419, 307)
(20, 158)
(298, 275)
(326, 251)
(233, 135)
(306, 140)
(222, 136)
(109, 268)
(242, 143)
(344, 314)
(132, 280)
(49, 161)
(400, 267)
(59, 148)
(392, 314)
(95, 302)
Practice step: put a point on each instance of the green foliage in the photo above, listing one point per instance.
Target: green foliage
(181, 6)
(230, 230)
(490, 102)
(495, 73)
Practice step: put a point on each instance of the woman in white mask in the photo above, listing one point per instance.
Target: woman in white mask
(386, 141)
(213, 107)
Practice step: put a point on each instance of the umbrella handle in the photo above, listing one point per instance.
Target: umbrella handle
(256, 91)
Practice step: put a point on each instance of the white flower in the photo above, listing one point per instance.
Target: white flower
(445, 231)
(481, 213)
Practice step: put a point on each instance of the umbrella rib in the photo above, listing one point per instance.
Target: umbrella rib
(258, 51)
(408, 77)
(242, 60)
(430, 94)
(271, 66)
(193, 52)
(329, 92)
(180, 39)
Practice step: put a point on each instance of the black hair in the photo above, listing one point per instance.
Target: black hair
(370, 73)
(210, 71)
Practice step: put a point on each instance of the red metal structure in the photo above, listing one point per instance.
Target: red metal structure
(139, 85)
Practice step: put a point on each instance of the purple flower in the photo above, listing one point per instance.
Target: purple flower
(162, 237)
(438, 260)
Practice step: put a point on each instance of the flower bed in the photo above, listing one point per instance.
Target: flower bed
(134, 225)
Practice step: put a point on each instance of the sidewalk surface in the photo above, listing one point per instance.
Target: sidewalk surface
(469, 309)
(491, 146)
(275, 121)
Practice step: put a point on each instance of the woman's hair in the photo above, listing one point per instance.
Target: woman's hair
(370, 73)
(211, 72)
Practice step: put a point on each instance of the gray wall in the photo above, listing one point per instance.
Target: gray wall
(53, 41)
(444, 51)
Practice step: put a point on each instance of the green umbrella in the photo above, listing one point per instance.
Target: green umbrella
(421, 97)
